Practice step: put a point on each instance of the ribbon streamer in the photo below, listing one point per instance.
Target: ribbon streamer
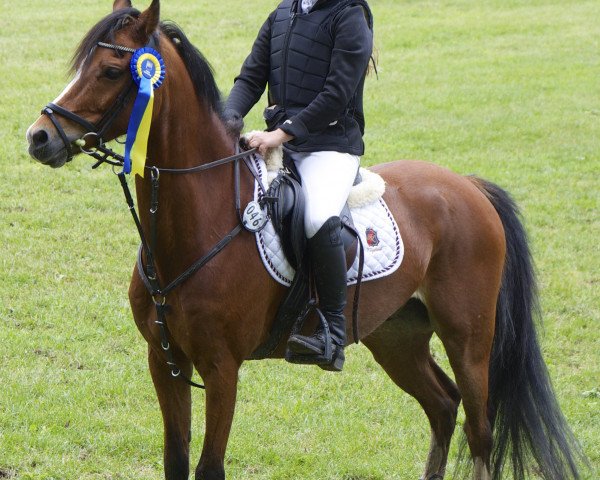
(148, 71)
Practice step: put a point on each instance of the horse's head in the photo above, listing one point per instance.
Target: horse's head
(97, 103)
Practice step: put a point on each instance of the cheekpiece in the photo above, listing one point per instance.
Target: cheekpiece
(147, 62)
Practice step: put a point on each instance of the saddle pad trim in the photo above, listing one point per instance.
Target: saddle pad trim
(380, 261)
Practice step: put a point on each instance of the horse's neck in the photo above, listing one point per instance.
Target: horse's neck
(195, 209)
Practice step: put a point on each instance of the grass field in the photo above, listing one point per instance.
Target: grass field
(508, 90)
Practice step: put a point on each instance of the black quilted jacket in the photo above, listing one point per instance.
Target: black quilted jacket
(315, 66)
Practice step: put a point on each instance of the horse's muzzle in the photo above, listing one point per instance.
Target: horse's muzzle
(46, 146)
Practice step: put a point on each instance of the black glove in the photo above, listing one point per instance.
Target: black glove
(234, 123)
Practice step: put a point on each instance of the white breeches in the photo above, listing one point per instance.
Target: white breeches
(327, 178)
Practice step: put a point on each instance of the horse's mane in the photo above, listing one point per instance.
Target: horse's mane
(197, 66)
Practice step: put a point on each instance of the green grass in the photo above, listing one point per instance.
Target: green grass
(504, 89)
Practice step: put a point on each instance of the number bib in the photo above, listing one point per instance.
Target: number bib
(254, 219)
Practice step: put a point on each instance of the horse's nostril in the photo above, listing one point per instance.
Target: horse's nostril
(40, 138)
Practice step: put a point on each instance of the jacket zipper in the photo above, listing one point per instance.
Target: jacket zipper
(286, 43)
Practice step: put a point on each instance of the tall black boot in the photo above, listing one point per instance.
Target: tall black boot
(328, 260)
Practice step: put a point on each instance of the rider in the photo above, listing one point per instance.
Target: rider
(313, 54)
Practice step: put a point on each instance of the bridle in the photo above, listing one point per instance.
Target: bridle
(100, 151)
(104, 154)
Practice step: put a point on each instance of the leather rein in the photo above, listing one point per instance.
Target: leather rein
(104, 154)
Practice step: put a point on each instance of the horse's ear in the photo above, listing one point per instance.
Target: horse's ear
(119, 4)
(148, 21)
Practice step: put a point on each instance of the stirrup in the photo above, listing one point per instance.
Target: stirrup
(314, 359)
(302, 344)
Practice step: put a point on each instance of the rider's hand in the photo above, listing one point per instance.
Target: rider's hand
(265, 140)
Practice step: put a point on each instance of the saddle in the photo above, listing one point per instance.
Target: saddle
(285, 205)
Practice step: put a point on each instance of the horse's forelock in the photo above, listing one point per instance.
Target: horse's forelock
(103, 31)
(197, 66)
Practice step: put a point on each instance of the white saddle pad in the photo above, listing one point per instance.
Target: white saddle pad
(375, 224)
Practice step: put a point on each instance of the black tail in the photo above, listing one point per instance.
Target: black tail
(526, 417)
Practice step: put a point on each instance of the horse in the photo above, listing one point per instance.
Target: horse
(467, 273)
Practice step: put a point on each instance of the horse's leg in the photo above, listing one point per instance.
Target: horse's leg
(175, 402)
(174, 395)
(220, 380)
(463, 315)
(440, 442)
(401, 346)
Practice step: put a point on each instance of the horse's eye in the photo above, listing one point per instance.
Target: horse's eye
(113, 73)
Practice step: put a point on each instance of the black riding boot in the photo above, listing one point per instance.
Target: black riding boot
(328, 260)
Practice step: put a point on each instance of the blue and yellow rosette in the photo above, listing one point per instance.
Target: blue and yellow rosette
(148, 71)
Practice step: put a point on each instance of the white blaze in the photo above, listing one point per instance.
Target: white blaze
(57, 99)
(68, 87)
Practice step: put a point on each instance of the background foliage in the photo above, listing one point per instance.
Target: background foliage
(505, 89)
